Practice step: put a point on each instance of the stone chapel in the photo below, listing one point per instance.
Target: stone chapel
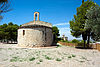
(35, 33)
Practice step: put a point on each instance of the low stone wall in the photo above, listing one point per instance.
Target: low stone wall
(98, 47)
(93, 46)
(68, 44)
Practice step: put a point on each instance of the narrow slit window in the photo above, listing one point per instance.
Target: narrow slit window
(43, 32)
(45, 36)
(23, 32)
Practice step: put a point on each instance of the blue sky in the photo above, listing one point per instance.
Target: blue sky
(57, 12)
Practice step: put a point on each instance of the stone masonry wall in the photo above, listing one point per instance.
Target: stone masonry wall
(35, 37)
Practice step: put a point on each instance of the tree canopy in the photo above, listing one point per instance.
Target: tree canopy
(55, 33)
(8, 32)
(93, 22)
(77, 25)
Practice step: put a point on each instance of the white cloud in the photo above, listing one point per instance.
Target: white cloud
(59, 24)
(66, 31)
(64, 28)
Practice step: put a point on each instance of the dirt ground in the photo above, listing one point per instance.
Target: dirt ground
(63, 56)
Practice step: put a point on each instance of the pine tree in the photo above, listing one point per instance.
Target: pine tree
(77, 25)
(82, 1)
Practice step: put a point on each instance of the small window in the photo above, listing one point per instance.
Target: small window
(23, 32)
(45, 36)
(43, 32)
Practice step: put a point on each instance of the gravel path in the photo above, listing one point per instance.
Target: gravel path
(63, 56)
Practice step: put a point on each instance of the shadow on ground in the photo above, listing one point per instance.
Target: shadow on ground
(83, 48)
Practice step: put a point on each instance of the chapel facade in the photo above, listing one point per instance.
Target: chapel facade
(35, 33)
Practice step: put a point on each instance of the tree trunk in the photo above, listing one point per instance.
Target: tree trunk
(82, 1)
(84, 36)
(88, 41)
(84, 43)
(7, 41)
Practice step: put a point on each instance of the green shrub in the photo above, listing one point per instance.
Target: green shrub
(82, 41)
(41, 60)
(59, 46)
(69, 57)
(14, 59)
(90, 41)
(38, 63)
(9, 48)
(81, 61)
(46, 57)
(75, 41)
(0, 48)
(64, 40)
(58, 59)
(69, 41)
(73, 55)
(31, 59)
